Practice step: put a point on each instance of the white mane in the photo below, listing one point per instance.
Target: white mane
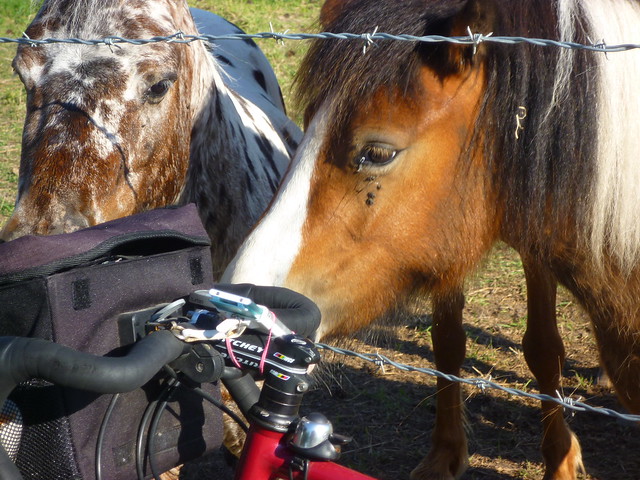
(617, 189)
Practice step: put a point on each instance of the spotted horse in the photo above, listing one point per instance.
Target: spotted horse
(111, 130)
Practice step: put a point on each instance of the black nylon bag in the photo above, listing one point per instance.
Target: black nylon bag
(71, 289)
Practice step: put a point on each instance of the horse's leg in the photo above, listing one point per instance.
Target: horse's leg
(544, 352)
(619, 344)
(448, 456)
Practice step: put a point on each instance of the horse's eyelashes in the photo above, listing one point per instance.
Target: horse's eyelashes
(376, 155)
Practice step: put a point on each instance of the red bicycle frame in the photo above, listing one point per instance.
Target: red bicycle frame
(267, 457)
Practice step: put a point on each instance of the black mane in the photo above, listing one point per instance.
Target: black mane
(339, 69)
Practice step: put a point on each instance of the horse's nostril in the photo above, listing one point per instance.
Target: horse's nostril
(16, 227)
(74, 221)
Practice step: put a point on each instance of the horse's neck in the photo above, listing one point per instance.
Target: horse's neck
(217, 144)
(229, 177)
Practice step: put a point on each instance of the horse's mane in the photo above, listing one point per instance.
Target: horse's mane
(550, 172)
(339, 70)
(97, 17)
(80, 15)
(544, 175)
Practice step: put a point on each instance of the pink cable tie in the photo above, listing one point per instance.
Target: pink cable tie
(232, 355)
(272, 316)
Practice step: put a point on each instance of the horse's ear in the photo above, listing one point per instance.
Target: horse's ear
(332, 10)
(459, 17)
(477, 15)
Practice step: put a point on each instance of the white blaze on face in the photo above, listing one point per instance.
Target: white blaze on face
(266, 256)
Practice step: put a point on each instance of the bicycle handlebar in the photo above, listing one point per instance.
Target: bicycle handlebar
(293, 309)
(24, 358)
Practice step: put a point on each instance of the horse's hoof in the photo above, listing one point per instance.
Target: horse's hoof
(439, 467)
(173, 474)
(422, 472)
(571, 464)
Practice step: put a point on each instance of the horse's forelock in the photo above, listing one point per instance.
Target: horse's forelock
(140, 18)
(347, 73)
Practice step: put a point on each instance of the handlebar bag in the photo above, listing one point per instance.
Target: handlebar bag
(71, 288)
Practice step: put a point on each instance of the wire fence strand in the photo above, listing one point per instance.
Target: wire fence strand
(368, 38)
(482, 383)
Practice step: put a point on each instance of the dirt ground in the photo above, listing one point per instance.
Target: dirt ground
(390, 413)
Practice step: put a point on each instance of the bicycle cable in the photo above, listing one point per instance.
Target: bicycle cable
(166, 396)
(101, 434)
(217, 403)
(154, 410)
(140, 453)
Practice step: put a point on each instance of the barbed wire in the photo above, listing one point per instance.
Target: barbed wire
(368, 38)
(483, 384)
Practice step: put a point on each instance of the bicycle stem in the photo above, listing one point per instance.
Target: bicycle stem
(268, 447)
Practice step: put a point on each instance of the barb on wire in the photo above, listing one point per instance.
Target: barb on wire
(28, 39)
(481, 383)
(177, 37)
(477, 39)
(472, 39)
(277, 36)
(368, 40)
(484, 383)
(379, 361)
(601, 45)
(568, 401)
(109, 43)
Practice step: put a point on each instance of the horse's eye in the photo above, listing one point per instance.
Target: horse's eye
(157, 91)
(375, 155)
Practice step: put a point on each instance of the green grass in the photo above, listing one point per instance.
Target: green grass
(14, 17)
(253, 16)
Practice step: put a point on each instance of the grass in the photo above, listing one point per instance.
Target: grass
(14, 16)
(253, 16)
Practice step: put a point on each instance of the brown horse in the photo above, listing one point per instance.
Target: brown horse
(418, 157)
(113, 130)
